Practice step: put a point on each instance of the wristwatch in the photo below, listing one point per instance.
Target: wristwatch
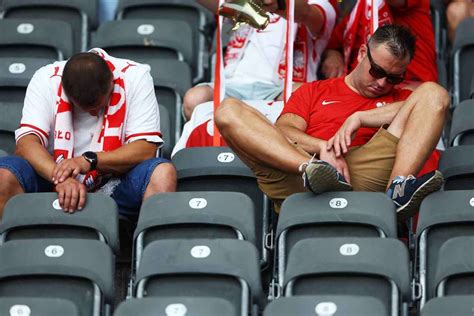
(91, 157)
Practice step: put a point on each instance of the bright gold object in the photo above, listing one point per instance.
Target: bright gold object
(250, 12)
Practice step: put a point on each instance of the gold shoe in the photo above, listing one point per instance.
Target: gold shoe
(245, 11)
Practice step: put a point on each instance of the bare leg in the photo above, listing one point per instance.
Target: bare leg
(196, 96)
(9, 187)
(163, 179)
(455, 13)
(255, 139)
(418, 124)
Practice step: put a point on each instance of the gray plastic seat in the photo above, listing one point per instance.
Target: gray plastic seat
(332, 214)
(443, 215)
(81, 271)
(222, 268)
(462, 125)
(3, 153)
(9, 122)
(166, 134)
(152, 306)
(457, 166)
(376, 267)
(38, 215)
(461, 305)
(189, 215)
(80, 15)
(172, 79)
(18, 306)
(35, 38)
(455, 268)
(325, 305)
(463, 60)
(144, 40)
(15, 74)
(438, 19)
(220, 169)
(199, 19)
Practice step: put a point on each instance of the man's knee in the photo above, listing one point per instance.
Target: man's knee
(9, 184)
(194, 97)
(438, 97)
(163, 178)
(228, 113)
(457, 11)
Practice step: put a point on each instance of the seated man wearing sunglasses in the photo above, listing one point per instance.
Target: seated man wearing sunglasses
(363, 133)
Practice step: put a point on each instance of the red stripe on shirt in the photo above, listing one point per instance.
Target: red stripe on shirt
(35, 128)
(34, 133)
(143, 134)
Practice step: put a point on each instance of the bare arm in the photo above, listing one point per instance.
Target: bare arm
(29, 147)
(293, 127)
(379, 116)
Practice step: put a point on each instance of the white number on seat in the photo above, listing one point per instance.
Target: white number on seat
(145, 29)
(56, 205)
(225, 157)
(17, 68)
(54, 251)
(197, 203)
(326, 309)
(338, 203)
(471, 202)
(176, 310)
(20, 310)
(200, 252)
(25, 28)
(349, 249)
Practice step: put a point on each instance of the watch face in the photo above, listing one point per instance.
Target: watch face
(90, 155)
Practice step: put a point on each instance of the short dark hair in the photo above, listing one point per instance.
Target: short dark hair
(398, 39)
(86, 77)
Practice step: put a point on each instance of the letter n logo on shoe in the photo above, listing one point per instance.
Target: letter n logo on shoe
(399, 190)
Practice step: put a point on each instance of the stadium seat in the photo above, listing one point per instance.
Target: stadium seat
(458, 168)
(375, 267)
(81, 15)
(461, 305)
(323, 305)
(3, 153)
(166, 134)
(172, 78)
(219, 169)
(455, 268)
(15, 74)
(443, 78)
(144, 40)
(35, 38)
(200, 20)
(77, 270)
(463, 60)
(438, 18)
(443, 215)
(187, 215)
(152, 306)
(221, 268)
(462, 125)
(332, 214)
(38, 215)
(26, 306)
(9, 122)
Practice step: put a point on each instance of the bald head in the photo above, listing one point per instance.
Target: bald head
(86, 79)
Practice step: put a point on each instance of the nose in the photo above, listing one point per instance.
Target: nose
(382, 82)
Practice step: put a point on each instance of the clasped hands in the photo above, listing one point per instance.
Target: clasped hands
(71, 193)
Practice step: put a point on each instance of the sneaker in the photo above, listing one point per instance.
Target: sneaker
(319, 176)
(245, 11)
(408, 192)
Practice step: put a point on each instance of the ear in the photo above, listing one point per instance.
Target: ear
(362, 53)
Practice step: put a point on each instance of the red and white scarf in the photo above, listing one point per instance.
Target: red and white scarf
(109, 133)
(373, 19)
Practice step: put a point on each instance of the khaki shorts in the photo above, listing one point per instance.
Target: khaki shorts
(370, 166)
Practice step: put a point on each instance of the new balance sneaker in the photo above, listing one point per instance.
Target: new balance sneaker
(408, 192)
(245, 11)
(319, 176)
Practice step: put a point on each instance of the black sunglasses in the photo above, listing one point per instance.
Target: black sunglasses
(378, 72)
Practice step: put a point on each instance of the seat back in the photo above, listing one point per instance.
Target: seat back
(166, 134)
(450, 305)
(35, 38)
(444, 215)
(9, 122)
(199, 19)
(463, 60)
(457, 168)
(37, 306)
(80, 15)
(462, 126)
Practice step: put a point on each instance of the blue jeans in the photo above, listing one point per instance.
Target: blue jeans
(128, 194)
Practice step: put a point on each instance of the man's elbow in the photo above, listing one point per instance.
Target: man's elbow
(150, 151)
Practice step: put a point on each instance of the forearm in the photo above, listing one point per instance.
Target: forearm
(309, 15)
(379, 116)
(29, 147)
(126, 157)
(211, 5)
(310, 144)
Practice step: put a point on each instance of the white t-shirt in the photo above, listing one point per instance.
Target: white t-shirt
(142, 119)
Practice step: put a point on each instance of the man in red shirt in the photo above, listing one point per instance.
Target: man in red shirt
(367, 135)
(354, 29)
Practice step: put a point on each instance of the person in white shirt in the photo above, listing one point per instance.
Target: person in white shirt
(89, 124)
(255, 59)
